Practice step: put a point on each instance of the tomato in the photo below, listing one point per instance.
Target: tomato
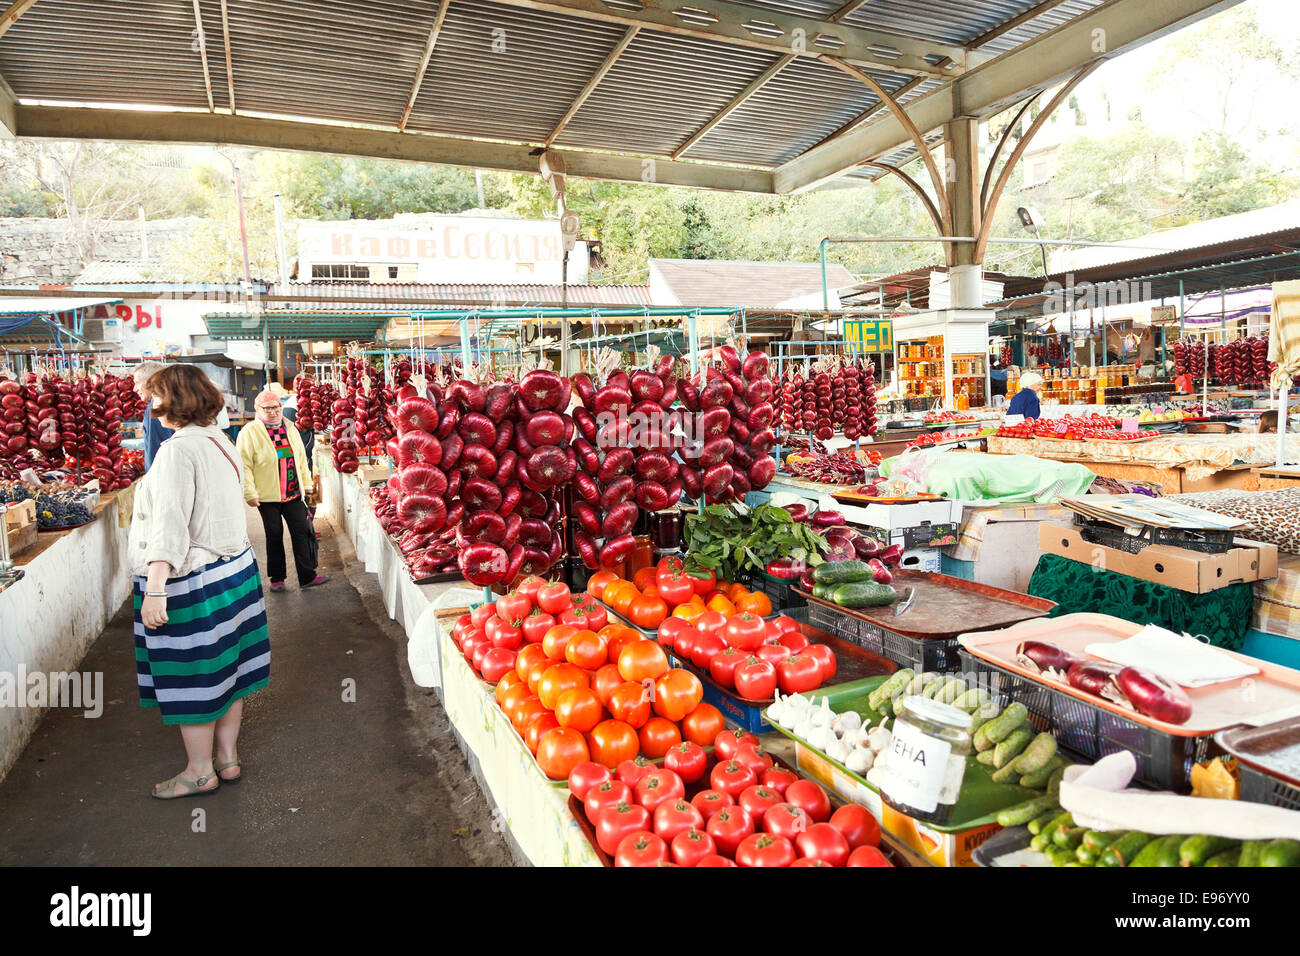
(473, 642)
(669, 564)
(691, 846)
(578, 617)
(706, 647)
(556, 639)
(787, 820)
(757, 800)
(607, 793)
(756, 679)
(586, 776)
(620, 596)
(536, 624)
(480, 652)
(513, 697)
(756, 603)
(703, 579)
(688, 760)
(857, 824)
(535, 726)
(597, 583)
(481, 614)
(731, 778)
(527, 656)
(809, 861)
(553, 598)
(709, 802)
(641, 848)
(615, 823)
(690, 611)
(773, 654)
(647, 612)
(825, 658)
(722, 605)
(556, 680)
(586, 649)
(630, 703)
(823, 842)
(684, 642)
(622, 639)
(669, 629)
(723, 666)
(658, 736)
(514, 606)
(787, 624)
(763, 849)
(811, 797)
(777, 779)
(526, 709)
(497, 663)
(529, 587)
(728, 827)
(798, 674)
(727, 742)
(676, 694)
(793, 640)
(560, 750)
(604, 682)
(631, 771)
(506, 682)
(709, 622)
(675, 588)
(579, 709)
(745, 631)
(656, 787)
(504, 633)
(749, 755)
(867, 856)
(716, 860)
(642, 660)
(535, 672)
(597, 616)
(612, 742)
(702, 725)
(672, 817)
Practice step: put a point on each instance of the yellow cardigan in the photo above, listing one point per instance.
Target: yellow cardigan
(261, 467)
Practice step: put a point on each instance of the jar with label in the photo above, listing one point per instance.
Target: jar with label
(926, 762)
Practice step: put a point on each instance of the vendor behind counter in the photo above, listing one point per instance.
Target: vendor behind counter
(1025, 402)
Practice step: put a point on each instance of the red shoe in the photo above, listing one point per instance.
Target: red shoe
(277, 585)
(317, 581)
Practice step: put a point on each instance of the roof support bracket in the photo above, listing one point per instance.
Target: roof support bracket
(202, 39)
(424, 62)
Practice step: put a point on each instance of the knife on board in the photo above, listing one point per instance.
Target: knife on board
(905, 602)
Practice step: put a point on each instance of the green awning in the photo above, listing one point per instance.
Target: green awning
(288, 325)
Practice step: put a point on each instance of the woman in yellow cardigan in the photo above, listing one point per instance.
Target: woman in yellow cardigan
(276, 477)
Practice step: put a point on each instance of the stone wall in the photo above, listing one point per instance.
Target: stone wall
(43, 251)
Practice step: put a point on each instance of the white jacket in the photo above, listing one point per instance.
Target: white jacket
(189, 507)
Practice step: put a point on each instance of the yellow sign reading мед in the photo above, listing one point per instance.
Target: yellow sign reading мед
(869, 335)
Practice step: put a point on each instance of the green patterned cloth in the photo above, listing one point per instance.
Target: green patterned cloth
(1222, 615)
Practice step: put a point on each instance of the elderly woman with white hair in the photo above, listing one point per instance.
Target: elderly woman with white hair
(1025, 401)
(276, 479)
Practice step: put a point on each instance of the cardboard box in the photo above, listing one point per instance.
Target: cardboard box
(20, 514)
(893, 518)
(923, 536)
(921, 559)
(375, 470)
(1175, 567)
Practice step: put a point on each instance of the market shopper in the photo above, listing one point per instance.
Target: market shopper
(289, 406)
(276, 478)
(200, 621)
(154, 431)
(1025, 401)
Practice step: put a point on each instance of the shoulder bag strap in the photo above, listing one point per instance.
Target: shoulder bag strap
(238, 477)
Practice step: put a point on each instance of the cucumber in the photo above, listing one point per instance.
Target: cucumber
(1100, 839)
(981, 738)
(822, 591)
(1123, 851)
(1071, 838)
(1060, 856)
(1054, 781)
(1009, 749)
(842, 572)
(886, 691)
(972, 700)
(1001, 727)
(1035, 757)
(1226, 858)
(1036, 825)
(1087, 855)
(1281, 853)
(1149, 856)
(862, 593)
(951, 691)
(1060, 821)
(1195, 850)
(934, 687)
(1038, 779)
(985, 757)
(1169, 849)
(1005, 774)
(1024, 812)
(918, 682)
(1251, 851)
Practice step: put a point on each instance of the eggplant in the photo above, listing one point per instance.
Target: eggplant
(1040, 656)
(1153, 695)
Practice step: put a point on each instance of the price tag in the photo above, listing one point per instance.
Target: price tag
(1129, 426)
(917, 767)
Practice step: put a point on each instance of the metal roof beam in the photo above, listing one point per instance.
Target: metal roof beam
(230, 68)
(590, 87)
(754, 86)
(1033, 13)
(62, 122)
(424, 61)
(723, 21)
(8, 111)
(203, 54)
(1100, 34)
(12, 12)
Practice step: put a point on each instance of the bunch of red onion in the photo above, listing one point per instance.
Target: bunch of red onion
(308, 419)
(347, 422)
(825, 402)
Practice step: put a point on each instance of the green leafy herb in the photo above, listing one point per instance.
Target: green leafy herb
(730, 541)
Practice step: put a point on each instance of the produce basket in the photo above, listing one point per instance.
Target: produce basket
(1268, 758)
(1111, 536)
(781, 594)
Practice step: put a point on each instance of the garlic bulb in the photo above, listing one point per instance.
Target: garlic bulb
(822, 716)
(822, 738)
(776, 709)
(839, 751)
(860, 760)
(848, 721)
(856, 738)
(879, 739)
(803, 728)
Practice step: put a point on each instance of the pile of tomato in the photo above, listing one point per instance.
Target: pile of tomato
(668, 588)
(732, 807)
(926, 441)
(749, 655)
(1070, 428)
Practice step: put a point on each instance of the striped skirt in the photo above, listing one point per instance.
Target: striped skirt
(214, 648)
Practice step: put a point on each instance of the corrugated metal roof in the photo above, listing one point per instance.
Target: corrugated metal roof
(758, 285)
(402, 295)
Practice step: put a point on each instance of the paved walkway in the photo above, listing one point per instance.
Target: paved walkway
(375, 782)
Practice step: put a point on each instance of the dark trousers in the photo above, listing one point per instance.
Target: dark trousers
(301, 534)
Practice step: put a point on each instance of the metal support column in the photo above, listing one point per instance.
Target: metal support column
(693, 333)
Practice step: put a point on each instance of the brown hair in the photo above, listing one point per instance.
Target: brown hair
(185, 396)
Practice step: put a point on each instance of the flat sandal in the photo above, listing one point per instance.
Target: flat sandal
(189, 788)
(217, 768)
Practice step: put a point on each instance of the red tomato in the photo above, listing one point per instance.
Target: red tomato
(777, 779)
(615, 823)
(587, 650)
(756, 679)
(497, 663)
(812, 798)
(658, 736)
(703, 579)
(553, 598)
(763, 849)
(711, 622)
(472, 642)
(731, 778)
(630, 703)
(481, 614)
(513, 607)
(480, 651)
(709, 802)
(793, 640)
(642, 660)
(675, 588)
(673, 816)
(691, 846)
(857, 824)
(559, 751)
(669, 629)
(605, 681)
(787, 624)
(745, 631)
(723, 666)
(535, 727)
(867, 856)
(809, 861)
(631, 771)
(641, 848)
(579, 617)
(677, 694)
(748, 755)
(757, 800)
(728, 742)
(823, 842)
(687, 760)
(597, 616)
(536, 624)
(728, 827)
(716, 860)
(607, 793)
(585, 776)
(773, 654)
(529, 587)
(825, 658)
(799, 674)
(787, 820)
(705, 648)
(579, 709)
(656, 787)
(684, 640)
(669, 564)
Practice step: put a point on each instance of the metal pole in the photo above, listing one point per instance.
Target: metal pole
(693, 338)
(826, 295)
(281, 252)
(464, 344)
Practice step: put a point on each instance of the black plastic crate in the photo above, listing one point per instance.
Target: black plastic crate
(934, 655)
(781, 594)
(1112, 536)
(1164, 761)
(1260, 787)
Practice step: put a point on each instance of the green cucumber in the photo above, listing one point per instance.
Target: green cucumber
(1149, 855)
(1024, 812)
(886, 691)
(951, 691)
(1036, 825)
(822, 591)
(842, 572)
(862, 593)
(1251, 851)
(1035, 757)
(985, 757)
(1125, 849)
(981, 738)
(1005, 774)
(1099, 839)
(1069, 837)
(1169, 849)
(972, 700)
(1054, 781)
(934, 687)
(1060, 856)
(1038, 779)
(1008, 750)
(1200, 847)
(1281, 853)
(1228, 857)
(1087, 855)
(1005, 724)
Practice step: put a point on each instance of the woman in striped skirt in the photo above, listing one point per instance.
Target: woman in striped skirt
(201, 640)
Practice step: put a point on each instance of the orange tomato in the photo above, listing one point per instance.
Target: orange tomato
(556, 680)
(527, 656)
(604, 681)
(689, 611)
(648, 612)
(528, 708)
(620, 596)
(508, 680)
(625, 637)
(710, 621)
(611, 630)
(722, 604)
(756, 603)
(559, 751)
(611, 742)
(579, 709)
(597, 583)
(650, 590)
(511, 698)
(677, 693)
(703, 724)
(585, 649)
(736, 591)
(535, 672)
(658, 736)
(537, 725)
(643, 660)
(630, 703)
(555, 640)
(643, 578)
